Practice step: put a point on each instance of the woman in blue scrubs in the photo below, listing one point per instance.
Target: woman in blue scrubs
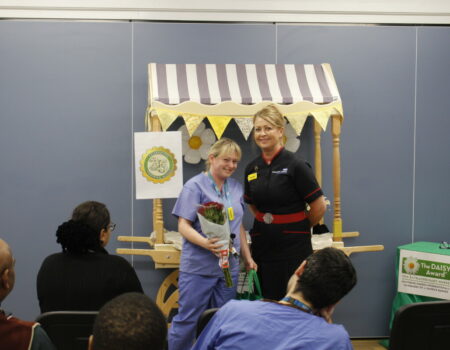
(201, 283)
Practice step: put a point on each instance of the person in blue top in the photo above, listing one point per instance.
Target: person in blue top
(201, 281)
(299, 321)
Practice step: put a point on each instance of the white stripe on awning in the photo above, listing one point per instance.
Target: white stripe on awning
(212, 84)
(233, 84)
(292, 81)
(273, 84)
(313, 83)
(172, 84)
(253, 83)
(192, 83)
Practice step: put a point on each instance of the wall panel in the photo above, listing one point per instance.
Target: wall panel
(72, 94)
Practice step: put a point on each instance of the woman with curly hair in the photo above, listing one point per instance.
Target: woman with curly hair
(84, 276)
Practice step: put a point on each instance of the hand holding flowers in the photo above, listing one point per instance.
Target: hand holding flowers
(214, 223)
(212, 245)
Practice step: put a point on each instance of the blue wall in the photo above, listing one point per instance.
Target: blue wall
(73, 93)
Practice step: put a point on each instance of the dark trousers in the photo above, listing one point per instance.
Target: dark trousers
(274, 276)
(279, 249)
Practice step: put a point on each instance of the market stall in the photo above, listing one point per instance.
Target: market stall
(233, 93)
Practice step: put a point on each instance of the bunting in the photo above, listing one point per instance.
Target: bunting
(297, 121)
(219, 124)
(245, 124)
(192, 122)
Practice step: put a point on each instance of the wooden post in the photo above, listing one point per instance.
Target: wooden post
(337, 221)
(318, 155)
(158, 221)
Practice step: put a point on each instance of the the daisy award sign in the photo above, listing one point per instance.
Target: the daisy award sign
(425, 274)
(158, 164)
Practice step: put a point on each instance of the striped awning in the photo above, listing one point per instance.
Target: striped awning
(224, 92)
(211, 84)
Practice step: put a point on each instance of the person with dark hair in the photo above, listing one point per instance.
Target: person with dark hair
(286, 201)
(84, 276)
(17, 334)
(301, 320)
(131, 321)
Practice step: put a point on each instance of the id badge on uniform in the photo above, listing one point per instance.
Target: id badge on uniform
(252, 177)
(230, 213)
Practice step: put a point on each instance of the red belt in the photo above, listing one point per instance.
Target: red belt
(269, 218)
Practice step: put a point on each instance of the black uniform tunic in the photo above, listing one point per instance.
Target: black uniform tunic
(282, 187)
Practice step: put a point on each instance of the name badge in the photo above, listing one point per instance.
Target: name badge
(252, 176)
(230, 214)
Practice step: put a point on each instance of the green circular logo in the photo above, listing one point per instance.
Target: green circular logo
(158, 165)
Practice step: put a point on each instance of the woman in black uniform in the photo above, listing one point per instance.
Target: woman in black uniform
(278, 186)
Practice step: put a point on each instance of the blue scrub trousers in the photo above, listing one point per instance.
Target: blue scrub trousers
(197, 293)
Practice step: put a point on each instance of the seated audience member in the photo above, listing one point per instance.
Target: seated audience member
(16, 334)
(131, 321)
(84, 276)
(301, 320)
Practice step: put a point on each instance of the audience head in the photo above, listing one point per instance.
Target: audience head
(324, 278)
(7, 273)
(88, 229)
(131, 321)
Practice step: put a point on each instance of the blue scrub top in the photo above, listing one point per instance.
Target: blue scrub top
(243, 325)
(199, 190)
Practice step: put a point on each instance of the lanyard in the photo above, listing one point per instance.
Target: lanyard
(298, 303)
(225, 194)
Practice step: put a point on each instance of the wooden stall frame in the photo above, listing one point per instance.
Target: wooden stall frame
(166, 256)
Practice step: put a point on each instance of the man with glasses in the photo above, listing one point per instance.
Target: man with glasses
(16, 334)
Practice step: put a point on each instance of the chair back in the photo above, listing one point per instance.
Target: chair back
(204, 319)
(421, 326)
(68, 330)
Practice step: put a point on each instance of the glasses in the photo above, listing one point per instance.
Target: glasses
(444, 245)
(112, 226)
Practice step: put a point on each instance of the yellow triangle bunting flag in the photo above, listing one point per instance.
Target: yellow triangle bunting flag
(340, 110)
(166, 119)
(322, 118)
(192, 122)
(219, 124)
(297, 121)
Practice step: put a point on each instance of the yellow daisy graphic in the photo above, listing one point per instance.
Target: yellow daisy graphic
(411, 265)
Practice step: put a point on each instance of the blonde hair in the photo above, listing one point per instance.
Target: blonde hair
(272, 115)
(223, 146)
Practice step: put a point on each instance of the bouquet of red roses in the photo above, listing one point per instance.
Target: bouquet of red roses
(214, 223)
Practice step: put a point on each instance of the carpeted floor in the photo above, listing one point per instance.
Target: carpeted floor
(367, 344)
